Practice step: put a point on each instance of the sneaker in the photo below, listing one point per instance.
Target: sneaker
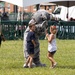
(54, 65)
(30, 67)
(24, 66)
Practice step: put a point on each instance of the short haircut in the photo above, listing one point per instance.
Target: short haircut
(30, 25)
(41, 5)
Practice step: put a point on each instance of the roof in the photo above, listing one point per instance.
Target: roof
(48, 4)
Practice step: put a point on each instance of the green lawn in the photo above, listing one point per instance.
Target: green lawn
(12, 60)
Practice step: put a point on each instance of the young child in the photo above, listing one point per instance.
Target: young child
(52, 45)
(30, 45)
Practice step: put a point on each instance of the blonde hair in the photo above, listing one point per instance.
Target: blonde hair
(53, 28)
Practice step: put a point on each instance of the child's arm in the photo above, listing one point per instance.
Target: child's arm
(47, 35)
(33, 43)
(50, 38)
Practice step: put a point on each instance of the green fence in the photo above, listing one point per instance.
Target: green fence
(15, 29)
(66, 29)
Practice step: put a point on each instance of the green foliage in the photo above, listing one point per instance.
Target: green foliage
(12, 60)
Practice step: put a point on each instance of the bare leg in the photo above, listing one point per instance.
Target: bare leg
(50, 57)
(27, 61)
(31, 60)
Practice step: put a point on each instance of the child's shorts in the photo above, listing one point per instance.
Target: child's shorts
(30, 50)
(52, 52)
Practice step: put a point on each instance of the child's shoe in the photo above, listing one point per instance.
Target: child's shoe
(24, 66)
(54, 65)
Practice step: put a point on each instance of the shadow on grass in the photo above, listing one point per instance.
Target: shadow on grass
(67, 67)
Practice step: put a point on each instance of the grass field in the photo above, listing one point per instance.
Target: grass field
(12, 60)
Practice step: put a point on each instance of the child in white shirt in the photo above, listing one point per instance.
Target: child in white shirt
(52, 45)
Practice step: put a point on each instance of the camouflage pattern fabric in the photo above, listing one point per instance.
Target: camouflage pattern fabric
(41, 19)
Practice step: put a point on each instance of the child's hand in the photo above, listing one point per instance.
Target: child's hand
(47, 35)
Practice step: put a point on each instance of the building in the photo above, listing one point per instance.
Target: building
(7, 7)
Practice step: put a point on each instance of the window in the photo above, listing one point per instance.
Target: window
(57, 11)
(8, 6)
(2, 4)
(34, 7)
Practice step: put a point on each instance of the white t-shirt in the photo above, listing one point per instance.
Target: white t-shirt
(52, 46)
